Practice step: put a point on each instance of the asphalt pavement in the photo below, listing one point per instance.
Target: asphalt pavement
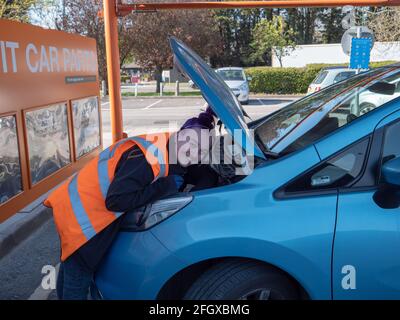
(23, 270)
(142, 115)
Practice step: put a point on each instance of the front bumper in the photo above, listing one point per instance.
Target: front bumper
(136, 267)
(242, 96)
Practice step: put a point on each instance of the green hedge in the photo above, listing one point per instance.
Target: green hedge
(288, 80)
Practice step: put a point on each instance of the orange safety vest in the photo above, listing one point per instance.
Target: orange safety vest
(79, 207)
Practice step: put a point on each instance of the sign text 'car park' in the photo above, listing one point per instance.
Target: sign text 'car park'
(42, 58)
(50, 122)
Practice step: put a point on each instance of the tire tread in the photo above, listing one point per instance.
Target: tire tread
(228, 274)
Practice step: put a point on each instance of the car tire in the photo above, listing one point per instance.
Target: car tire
(245, 102)
(238, 279)
(366, 107)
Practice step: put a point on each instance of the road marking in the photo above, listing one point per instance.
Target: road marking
(176, 108)
(40, 293)
(153, 104)
(159, 108)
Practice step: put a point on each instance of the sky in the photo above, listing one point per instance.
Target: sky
(44, 14)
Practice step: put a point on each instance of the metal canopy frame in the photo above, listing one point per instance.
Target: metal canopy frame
(123, 8)
(112, 9)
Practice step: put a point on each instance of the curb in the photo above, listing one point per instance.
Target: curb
(21, 225)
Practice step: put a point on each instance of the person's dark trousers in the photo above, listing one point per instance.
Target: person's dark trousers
(73, 280)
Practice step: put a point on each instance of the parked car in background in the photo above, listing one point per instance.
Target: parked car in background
(375, 96)
(367, 100)
(317, 218)
(236, 80)
(328, 76)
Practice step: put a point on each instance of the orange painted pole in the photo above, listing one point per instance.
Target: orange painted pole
(113, 68)
(126, 8)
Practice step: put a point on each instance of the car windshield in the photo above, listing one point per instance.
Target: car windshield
(320, 77)
(231, 75)
(313, 117)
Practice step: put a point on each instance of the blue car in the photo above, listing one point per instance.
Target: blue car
(317, 218)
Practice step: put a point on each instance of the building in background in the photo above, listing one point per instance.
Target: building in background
(333, 53)
(132, 69)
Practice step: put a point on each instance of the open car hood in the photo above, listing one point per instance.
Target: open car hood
(217, 94)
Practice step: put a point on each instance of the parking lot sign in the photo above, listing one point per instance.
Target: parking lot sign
(360, 53)
(49, 110)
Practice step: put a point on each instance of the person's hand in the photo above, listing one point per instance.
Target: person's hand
(178, 181)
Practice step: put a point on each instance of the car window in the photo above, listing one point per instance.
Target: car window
(231, 75)
(320, 77)
(370, 97)
(360, 101)
(277, 127)
(313, 117)
(343, 76)
(391, 145)
(339, 171)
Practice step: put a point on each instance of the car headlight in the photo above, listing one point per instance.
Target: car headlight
(244, 87)
(152, 214)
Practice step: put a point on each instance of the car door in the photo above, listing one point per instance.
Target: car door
(366, 257)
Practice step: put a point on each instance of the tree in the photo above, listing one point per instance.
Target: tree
(226, 37)
(384, 23)
(331, 19)
(16, 9)
(273, 36)
(46, 13)
(150, 32)
(143, 35)
(303, 22)
(235, 29)
(82, 17)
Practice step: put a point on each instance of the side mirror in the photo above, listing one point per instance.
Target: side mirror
(388, 194)
(249, 78)
(383, 88)
(391, 172)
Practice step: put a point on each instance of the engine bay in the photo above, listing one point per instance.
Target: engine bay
(227, 164)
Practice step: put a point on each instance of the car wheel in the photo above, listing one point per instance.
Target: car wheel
(366, 107)
(242, 280)
(245, 102)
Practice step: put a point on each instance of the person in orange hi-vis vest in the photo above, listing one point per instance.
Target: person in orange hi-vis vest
(128, 175)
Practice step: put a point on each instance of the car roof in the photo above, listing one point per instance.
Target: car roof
(393, 65)
(337, 68)
(230, 68)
